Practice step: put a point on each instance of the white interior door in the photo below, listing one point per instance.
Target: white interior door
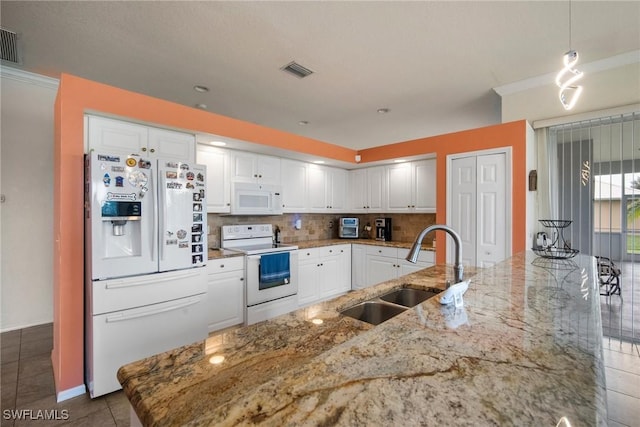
(491, 209)
(479, 208)
(463, 207)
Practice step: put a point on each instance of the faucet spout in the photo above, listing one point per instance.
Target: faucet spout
(415, 249)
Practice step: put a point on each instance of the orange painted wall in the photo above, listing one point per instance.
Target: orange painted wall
(78, 96)
(504, 135)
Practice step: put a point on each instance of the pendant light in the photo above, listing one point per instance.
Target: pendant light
(568, 76)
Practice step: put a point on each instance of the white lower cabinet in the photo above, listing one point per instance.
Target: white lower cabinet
(358, 266)
(384, 263)
(225, 293)
(323, 272)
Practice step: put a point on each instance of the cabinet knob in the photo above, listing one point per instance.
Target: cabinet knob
(255, 175)
(408, 206)
(221, 265)
(413, 206)
(144, 148)
(153, 150)
(228, 204)
(242, 279)
(330, 250)
(259, 176)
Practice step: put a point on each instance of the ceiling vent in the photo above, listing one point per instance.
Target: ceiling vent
(9, 48)
(297, 70)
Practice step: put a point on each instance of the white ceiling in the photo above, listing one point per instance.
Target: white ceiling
(433, 64)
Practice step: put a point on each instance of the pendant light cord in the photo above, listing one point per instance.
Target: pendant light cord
(569, 24)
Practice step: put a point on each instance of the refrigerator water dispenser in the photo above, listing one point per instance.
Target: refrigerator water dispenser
(121, 228)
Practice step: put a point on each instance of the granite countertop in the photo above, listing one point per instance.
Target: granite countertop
(216, 253)
(526, 349)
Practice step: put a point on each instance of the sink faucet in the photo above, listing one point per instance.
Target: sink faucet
(415, 249)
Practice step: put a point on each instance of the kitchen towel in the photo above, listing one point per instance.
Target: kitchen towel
(274, 270)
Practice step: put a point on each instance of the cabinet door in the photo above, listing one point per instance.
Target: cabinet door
(358, 266)
(168, 144)
(335, 270)
(375, 189)
(294, 186)
(317, 189)
(358, 197)
(398, 188)
(308, 267)
(111, 136)
(268, 169)
(424, 186)
(344, 268)
(337, 190)
(243, 167)
(329, 276)
(225, 300)
(218, 188)
(380, 269)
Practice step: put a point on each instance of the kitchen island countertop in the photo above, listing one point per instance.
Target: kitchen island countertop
(526, 349)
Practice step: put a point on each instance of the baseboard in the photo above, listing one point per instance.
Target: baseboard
(70, 393)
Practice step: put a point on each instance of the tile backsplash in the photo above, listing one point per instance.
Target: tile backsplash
(405, 227)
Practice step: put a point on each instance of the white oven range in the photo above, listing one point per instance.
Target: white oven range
(271, 270)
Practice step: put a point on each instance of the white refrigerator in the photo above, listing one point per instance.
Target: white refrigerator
(145, 252)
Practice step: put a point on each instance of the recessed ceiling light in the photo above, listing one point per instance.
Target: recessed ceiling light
(382, 110)
(200, 88)
(399, 161)
(318, 162)
(218, 143)
(303, 122)
(201, 106)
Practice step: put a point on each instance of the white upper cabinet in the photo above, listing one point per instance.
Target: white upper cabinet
(119, 137)
(327, 189)
(366, 190)
(317, 188)
(294, 186)
(398, 187)
(218, 185)
(337, 188)
(171, 145)
(411, 187)
(424, 185)
(249, 167)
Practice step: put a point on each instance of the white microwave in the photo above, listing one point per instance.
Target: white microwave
(256, 199)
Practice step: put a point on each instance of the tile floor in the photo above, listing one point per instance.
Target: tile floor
(27, 384)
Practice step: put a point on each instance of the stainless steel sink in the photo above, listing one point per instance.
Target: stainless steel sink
(374, 312)
(409, 297)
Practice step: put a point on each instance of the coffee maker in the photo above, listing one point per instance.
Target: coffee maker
(383, 229)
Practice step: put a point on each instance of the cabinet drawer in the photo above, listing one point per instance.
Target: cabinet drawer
(215, 266)
(382, 251)
(332, 250)
(311, 253)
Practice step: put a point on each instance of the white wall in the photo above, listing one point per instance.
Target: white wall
(26, 224)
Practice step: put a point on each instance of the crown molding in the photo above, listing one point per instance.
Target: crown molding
(616, 61)
(28, 77)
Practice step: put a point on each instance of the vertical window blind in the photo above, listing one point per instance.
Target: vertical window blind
(593, 171)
